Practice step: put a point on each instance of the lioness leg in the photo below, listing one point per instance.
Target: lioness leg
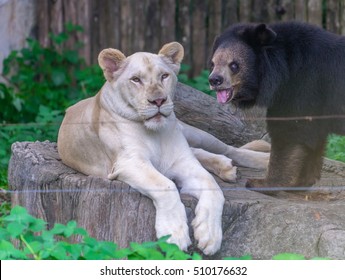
(207, 223)
(200, 139)
(217, 164)
(171, 216)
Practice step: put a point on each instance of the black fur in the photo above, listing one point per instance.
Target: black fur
(300, 71)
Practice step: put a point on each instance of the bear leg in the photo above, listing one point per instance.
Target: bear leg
(311, 170)
(286, 165)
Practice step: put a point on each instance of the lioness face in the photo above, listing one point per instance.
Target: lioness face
(144, 81)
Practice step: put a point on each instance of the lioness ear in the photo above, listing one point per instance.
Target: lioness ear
(174, 52)
(110, 61)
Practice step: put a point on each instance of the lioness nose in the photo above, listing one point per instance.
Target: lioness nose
(215, 80)
(158, 102)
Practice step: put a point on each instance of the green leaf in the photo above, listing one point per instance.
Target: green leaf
(58, 229)
(145, 251)
(70, 27)
(35, 247)
(8, 251)
(17, 103)
(92, 242)
(107, 248)
(123, 253)
(47, 236)
(58, 77)
(288, 256)
(37, 225)
(59, 38)
(15, 229)
(70, 227)
(4, 235)
(72, 56)
(59, 252)
(81, 232)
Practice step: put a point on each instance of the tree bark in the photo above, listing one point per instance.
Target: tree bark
(227, 123)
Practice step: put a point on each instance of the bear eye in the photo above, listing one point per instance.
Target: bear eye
(135, 79)
(234, 67)
(164, 76)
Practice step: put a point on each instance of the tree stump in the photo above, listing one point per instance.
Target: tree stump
(309, 223)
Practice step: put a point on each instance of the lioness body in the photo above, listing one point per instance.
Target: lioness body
(129, 132)
(129, 140)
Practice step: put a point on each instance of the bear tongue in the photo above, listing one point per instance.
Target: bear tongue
(224, 95)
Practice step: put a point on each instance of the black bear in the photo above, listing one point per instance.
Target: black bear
(296, 71)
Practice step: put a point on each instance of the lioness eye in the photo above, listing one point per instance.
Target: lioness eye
(135, 79)
(164, 76)
(234, 67)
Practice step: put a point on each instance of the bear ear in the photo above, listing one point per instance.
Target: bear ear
(264, 35)
(110, 61)
(174, 53)
(259, 35)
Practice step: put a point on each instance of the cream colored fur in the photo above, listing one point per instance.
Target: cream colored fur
(129, 132)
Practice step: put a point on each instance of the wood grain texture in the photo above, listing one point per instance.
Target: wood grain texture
(147, 25)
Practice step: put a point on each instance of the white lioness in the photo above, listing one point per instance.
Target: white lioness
(129, 132)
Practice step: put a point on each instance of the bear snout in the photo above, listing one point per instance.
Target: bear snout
(215, 80)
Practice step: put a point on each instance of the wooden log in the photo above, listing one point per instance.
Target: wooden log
(230, 125)
(308, 223)
(253, 223)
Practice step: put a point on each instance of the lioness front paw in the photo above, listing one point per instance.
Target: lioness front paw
(176, 226)
(224, 168)
(228, 174)
(208, 229)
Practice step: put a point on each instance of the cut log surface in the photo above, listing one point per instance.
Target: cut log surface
(309, 223)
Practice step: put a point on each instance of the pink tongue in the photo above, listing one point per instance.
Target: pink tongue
(222, 96)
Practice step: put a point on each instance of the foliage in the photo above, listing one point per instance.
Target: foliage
(40, 83)
(5, 208)
(199, 82)
(55, 77)
(3, 176)
(35, 241)
(336, 147)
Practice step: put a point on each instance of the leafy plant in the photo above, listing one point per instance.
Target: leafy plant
(336, 147)
(55, 77)
(199, 82)
(35, 241)
(40, 83)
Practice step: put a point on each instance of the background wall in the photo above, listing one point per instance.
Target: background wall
(132, 25)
